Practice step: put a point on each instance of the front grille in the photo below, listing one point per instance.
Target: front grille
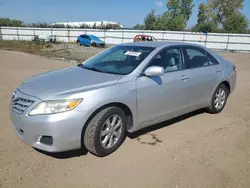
(19, 105)
(48, 140)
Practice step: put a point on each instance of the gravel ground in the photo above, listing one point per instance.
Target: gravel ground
(62, 51)
(199, 150)
(70, 51)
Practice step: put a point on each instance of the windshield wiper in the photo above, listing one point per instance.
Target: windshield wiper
(92, 68)
(97, 70)
(89, 68)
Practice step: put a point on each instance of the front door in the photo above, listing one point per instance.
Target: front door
(163, 96)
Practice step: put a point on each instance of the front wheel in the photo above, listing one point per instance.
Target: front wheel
(219, 99)
(105, 132)
(93, 44)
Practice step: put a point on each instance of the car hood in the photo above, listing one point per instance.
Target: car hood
(63, 82)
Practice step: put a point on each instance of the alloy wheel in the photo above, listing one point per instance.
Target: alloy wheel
(111, 131)
(220, 99)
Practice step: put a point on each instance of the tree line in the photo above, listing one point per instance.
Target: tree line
(18, 23)
(213, 16)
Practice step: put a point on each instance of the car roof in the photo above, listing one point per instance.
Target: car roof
(144, 35)
(156, 44)
(92, 36)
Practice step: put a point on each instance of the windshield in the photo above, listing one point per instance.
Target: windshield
(93, 37)
(118, 60)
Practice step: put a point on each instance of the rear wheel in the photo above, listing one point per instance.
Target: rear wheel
(219, 99)
(105, 132)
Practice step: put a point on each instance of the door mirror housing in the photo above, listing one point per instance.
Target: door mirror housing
(154, 71)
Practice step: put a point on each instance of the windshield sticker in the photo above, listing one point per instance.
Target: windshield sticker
(136, 54)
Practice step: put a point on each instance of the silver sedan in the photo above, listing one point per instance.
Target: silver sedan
(125, 88)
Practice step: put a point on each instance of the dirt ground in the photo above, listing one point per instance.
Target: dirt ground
(199, 150)
(62, 51)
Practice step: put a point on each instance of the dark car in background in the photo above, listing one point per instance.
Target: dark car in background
(90, 40)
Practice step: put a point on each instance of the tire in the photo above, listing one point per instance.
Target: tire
(78, 43)
(92, 139)
(93, 44)
(214, 108)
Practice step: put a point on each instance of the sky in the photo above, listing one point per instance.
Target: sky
(125, 12)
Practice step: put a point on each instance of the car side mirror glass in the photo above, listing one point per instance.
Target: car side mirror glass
(154, 71)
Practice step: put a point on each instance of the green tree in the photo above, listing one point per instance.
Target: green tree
(68, 26)
(139, 27)
(236, 23)
(177, 23)
(94, 26)
(149, 21)
(162, 22)
(223, 9)
(167, 22)
(57, 26)
(205, 27)
(203, 14)
(11, 22)
(206, 22)
(39, 25)
(180, 7)
(84, 26)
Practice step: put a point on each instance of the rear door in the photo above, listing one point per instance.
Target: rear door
(205, 75)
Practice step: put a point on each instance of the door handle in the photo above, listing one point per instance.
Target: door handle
(218, 70)
(184, 78)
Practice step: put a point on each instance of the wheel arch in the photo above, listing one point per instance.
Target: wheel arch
(227, 84)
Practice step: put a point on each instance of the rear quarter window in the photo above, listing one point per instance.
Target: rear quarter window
(212, 60)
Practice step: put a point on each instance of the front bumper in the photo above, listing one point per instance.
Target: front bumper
(101, 45)
(64, 128)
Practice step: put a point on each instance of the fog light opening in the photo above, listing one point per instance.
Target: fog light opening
(47, 140)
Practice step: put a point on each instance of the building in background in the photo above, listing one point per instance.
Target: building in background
(90, 24)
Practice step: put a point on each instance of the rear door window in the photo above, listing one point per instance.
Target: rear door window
(195, 57)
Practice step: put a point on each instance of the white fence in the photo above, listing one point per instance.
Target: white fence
(218, 41)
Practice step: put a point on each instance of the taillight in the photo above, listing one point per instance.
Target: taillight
(235, 69)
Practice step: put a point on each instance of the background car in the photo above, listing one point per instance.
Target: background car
(44, 38)
(90, 40)
(139, 38)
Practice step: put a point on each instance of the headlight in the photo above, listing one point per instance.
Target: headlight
(53, 107)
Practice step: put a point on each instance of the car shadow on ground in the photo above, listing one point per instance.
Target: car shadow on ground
(135, 135)
(66, 154)
(164, 124)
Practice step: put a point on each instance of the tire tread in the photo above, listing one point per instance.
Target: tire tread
(89, 136)
(92, 132)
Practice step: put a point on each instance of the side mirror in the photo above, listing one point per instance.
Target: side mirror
(154, 71)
